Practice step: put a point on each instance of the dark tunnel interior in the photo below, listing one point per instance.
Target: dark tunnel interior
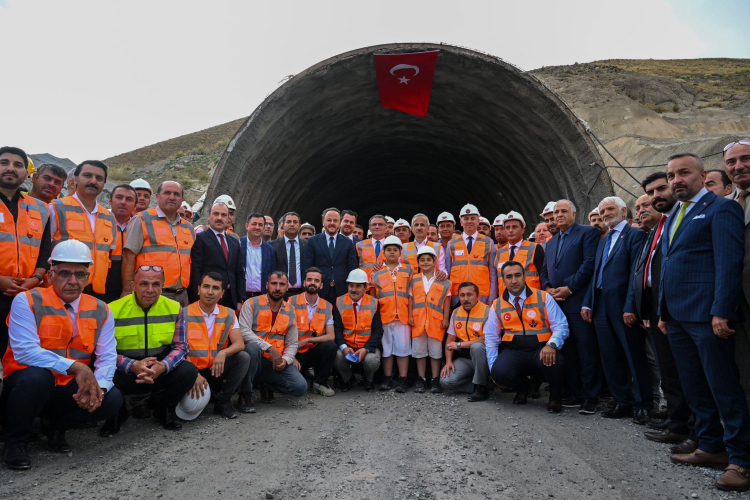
(494, 136)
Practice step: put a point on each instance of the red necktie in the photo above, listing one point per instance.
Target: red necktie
(519, 308)
(355, 312)
(653, 246)
(224, 246)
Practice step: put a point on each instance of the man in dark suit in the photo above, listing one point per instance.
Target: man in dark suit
(645, 284)
(332, 253)
(349, 224)
(215, 251)
(621, 346)
(260, 257)
(703, 248)
(566, 273)
(289, 251)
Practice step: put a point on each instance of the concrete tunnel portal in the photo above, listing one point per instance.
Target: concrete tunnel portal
(494, 136)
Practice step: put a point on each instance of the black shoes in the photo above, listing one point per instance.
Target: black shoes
(521, 397)
(571, 402)
(419, 385)
(17, 458)
(266, 396)
(435, 387)
(225, 410)
(658, 424)
(141, 411)
(369, 386)
(588, 407)
(554, 406)
(401, 387)
(640, 416)
(387, 384)
(618, 411)
(112, 425)
(480, 394)
(56, 441)
(245, 403)
(170, 421)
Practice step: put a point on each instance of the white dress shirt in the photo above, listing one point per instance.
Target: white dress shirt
(556, 318)
(23, 338)
(473, 238)
(210, 320)
(254, 266)
(298, 258)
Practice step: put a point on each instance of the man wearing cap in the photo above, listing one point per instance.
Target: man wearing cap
(595, 220)
(446, 226)
(289, 251)
(402, 230)
(390, 224)
(471, 258)
(498, 225)
(122, 202)
(529, 255)
(143, 189)
(359, 330)
(548, 214)
(484, 227)
(370, 251)
(306, 231)
(47, 182)
(57, 335)
(420, 225)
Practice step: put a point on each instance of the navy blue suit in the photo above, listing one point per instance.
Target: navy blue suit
(701, 278)
(268, 261)
(620, 346)
(336, 271)
(574, 267)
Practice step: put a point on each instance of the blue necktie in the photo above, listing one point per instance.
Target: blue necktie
(469, 245)
(377, 250)
(605, 258)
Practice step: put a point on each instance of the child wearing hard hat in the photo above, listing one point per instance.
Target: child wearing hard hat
(391, 288)
(429, 314)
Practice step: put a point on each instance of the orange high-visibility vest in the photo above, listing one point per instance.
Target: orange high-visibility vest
(410, 254)
(393, 298)
(475, 267)
(120, 236)
(202, 350)
(534, 321)
(357, 331)
(162, 248)
(56, 331)
(73, 223)
(524, 256)
(470, 325)
(275, 333)
(305, 327)
(366, 254)
(427, 311)
(20, 240)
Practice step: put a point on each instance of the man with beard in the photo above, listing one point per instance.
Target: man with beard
(359, 232)
(621, 346)
(484, 226)
(47, 182)
(122, 201)
(501, 237)
(595, 220)
(316, 348)
(548, 214)
(348, 223)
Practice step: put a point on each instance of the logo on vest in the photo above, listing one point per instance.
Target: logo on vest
(531, 314)
(506, 316)
(476, 327)
(459, 325)
(33, 224)
(533, 324)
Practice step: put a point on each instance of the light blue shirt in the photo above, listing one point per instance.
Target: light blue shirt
(254, 259)
(295, 242)
(557, 323)
(23, 338)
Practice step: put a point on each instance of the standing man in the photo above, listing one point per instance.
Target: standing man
(568, 267)
(432, 233)
(595, 220)
(647, 215)
(718, 182)
(144, 191)
(159, 236)
(47, 182)
(306, 231)
(332, 253)
(260, 257)
(446, 227)
(370, 251)
(390, 224)
(484, 226)
(268, 228)
(548, 214)
(501, 237)
(290, 249)
(700, 290)
(359, 233)
(215, 251)
(528, 254)
(542, 234)
(420, 224)
(122, 201)
(621, 346)
(471, 258)
(348, 225)
(402, 230)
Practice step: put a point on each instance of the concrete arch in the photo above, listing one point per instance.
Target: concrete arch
(494, 136)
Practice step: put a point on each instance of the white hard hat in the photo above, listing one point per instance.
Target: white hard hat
(515, 216)
(358, 276)
(390, 219)
(548, 209)
(393, 240)
(227, 200)
(484, 220)
(141, 184)
(369, 233)
(72, 251)
(186, 206)
(401, 223)
(189, 408)
(595, 211)
(469, 209)
(499, 220)
(532, 236)
(445, 217)
(426, 249)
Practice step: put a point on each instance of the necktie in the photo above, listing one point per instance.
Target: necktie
(743, 198)
(512, 253)
(560, 244)
(69, 309)
(330, 248)
(653, 246)
(680, 215)
(355, 312)
(292, 264)
(224, 246)
(605, 258)
(519, 307)
(377, 250)
(469, 245)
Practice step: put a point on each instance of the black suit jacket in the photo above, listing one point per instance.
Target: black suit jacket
(279, 246)
(207, 256)
(344, 260)
(647, 300)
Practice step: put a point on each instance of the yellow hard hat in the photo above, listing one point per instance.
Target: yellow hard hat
(30, 169)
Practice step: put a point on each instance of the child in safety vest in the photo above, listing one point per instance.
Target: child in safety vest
(391, 288)
(429, 316)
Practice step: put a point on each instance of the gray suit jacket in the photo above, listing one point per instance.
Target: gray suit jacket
(746, 263)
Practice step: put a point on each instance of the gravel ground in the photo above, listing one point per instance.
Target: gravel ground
(369, 446)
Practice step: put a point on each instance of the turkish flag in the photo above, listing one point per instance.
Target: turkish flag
(405, 80)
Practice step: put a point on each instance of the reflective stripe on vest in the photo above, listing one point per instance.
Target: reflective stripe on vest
(393, 297)
(274, 334)
(73, 223)
(470, 326)
(357, 333)
(427, 311)
(305, 327)
(534, 321)
(366, 254)
(56, 331)
(162, 248)
(20, 239)
(524, 256)
(410, 253)
(202, 350)
(473, 268)
(141, 334)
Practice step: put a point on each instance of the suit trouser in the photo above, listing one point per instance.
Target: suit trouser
(261, 372)
(581, 351)
(370, 365)
(622, 347)
(470, 371)
(710, 379)
(4, 311)
(226, 384)
(742, 346)
(320, 358)
(513, 365)
(32, 391)
(175, 383)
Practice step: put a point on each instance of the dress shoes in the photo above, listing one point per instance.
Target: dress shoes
(170, 421)
(56, 441)
(480, 394)
(571, 402)
(665, 436)
(658, 414)
(734, 478)
(112, 425)
(700, 458)
(141, 411)
(554, 406)
(658, 424)
(687, 446)
(17, 458)
(521, 398)
(640, 416)
(534, 393)
(588, 407)
(618, 411)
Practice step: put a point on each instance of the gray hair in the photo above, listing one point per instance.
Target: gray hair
(613, 199)
(420, 215)
(572, 205)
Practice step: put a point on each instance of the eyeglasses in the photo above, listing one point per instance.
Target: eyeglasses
(158, 269)
(744, 142)
(80, 275)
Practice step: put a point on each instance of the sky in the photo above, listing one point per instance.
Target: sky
(93, 79)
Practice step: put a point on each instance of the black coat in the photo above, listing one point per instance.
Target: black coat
(344, 260)
(279, 246)
(207, 256)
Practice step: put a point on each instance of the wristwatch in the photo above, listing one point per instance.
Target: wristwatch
(552, 345)
(458, 345)
(38, 277)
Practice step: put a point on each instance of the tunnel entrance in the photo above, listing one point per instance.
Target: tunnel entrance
(494, 136)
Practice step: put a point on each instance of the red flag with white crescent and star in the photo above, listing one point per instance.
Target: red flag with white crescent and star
(405, 80)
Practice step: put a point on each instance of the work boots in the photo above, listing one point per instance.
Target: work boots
(480, 393)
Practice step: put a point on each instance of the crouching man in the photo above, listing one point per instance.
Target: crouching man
(54, 334)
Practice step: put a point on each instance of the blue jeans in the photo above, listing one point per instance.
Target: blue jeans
(288, 381)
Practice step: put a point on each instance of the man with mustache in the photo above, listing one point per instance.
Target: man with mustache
(719, 183)
(47, 182)
(595, 220)
(123, 201)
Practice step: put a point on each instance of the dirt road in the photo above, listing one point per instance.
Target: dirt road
(368, 445)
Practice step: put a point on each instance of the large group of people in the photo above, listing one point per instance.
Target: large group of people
(130, 311)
